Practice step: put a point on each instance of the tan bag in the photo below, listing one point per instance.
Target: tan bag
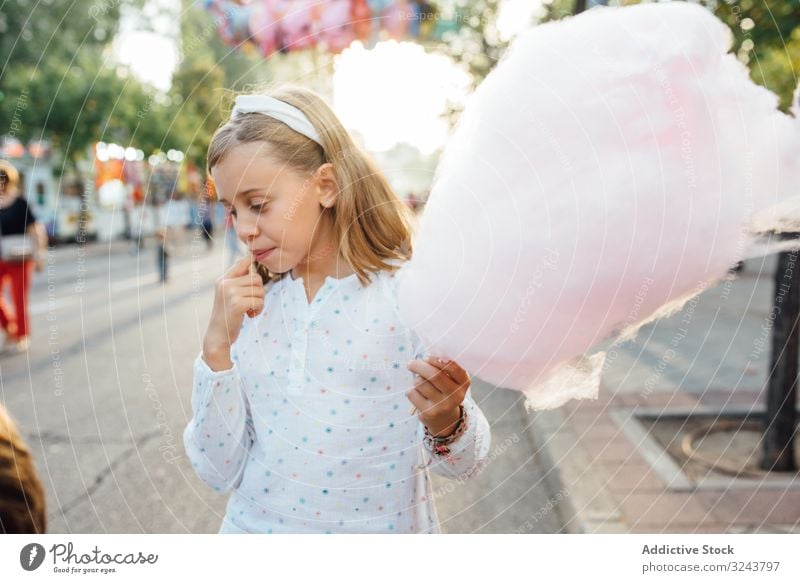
(16, 248)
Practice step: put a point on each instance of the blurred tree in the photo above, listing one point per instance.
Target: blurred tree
(32, 31)
(556, 9)
(208, 72)
(476, 45)
(79, 101)
(198, 86)
(59, 80)
(767, 38)
(56, 82)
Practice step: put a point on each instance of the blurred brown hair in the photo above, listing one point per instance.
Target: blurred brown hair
(372, 224)
(22, 503)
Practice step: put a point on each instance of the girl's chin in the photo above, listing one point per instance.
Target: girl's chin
(275, 266)
(270, 261)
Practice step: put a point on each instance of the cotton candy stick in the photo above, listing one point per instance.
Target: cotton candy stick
(253, 270)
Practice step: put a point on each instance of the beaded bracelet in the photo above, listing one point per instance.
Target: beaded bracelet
(439, 444)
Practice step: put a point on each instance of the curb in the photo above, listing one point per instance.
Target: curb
(589, 507)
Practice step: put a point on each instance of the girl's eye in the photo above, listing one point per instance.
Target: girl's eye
(257, 208)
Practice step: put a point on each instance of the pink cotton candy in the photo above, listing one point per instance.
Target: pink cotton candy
(609, 168)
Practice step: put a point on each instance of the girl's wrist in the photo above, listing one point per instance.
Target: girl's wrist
(217, 363)
(217, 355)
(440, 445)
(444, 426)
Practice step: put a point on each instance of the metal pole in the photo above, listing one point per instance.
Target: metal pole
(780, 416)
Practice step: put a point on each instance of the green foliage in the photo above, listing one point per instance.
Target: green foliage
(60, 82)
(57, 82)
(766, 37)
(32, 31)
(199, 86)
(202, 84)
(476, 46)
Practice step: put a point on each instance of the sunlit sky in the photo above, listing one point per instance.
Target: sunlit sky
(407, 92)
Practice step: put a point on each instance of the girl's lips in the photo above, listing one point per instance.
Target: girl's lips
(261, 255)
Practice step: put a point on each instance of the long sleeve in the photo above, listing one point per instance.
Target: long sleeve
(470, 452)
(219, 436)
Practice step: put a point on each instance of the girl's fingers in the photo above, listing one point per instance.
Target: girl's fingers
(429, 391)
(254, 289)
(417, 399)
(248, 279)
(245, 302)
(244, 287)
(459, 377)
(253, 304)
(451, 368)
(240, 268)
(450, 399)
(434, 375)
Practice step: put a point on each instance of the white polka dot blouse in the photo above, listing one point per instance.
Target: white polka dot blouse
(310, 429)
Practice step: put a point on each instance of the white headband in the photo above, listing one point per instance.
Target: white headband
(280, 110)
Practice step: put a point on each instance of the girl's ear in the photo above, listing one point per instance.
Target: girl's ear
(327, 185)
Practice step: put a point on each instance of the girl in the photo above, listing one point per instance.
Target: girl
(301, 392)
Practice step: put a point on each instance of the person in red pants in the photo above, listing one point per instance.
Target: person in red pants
(17, 256)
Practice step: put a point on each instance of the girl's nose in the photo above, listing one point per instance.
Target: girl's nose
(246, 228)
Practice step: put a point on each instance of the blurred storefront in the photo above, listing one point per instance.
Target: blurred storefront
(115, 192)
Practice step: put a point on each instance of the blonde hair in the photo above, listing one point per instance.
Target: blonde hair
(22, 502)
(10, 173)
(371, 223)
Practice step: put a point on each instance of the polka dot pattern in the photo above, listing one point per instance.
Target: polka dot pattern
(310, 429)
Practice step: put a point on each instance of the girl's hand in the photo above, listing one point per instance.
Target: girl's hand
(439, 393)
(238, 292)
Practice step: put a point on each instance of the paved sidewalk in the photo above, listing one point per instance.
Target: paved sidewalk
(708, 358)
(182, 240)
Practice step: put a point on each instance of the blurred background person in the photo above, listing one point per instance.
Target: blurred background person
(22, 238)
(162, 254)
